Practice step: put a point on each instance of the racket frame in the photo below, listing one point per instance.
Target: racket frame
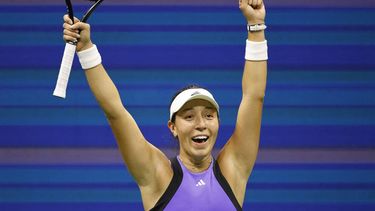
(69, 52)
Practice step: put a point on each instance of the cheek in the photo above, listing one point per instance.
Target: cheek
(214, 126)
(182, 129)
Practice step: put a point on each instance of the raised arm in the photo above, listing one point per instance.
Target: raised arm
(145, 162)
(239, 154)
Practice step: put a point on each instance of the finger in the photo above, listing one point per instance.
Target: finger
(243, 4)
(80, 26)
(68, 27)
(69, 38)
(76, 20)
(253, 3)
(69, 21)
(70, 33)
(257, 4)
(261, 4)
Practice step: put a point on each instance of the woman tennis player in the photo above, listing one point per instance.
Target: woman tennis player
(194, 180)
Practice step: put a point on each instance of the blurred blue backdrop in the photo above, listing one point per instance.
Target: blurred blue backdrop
(317, 142)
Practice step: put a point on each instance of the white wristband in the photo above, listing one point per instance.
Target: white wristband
(89, 58)
(256, 51)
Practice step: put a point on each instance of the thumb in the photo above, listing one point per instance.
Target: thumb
(80, 26)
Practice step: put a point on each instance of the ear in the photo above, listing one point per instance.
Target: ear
(172, 128)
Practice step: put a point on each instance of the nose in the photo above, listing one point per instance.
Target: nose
(200, 123)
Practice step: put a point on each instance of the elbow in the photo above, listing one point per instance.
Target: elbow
(114, 115)
(112, 111)
(110, 116)
(260, 97)
(257, 96)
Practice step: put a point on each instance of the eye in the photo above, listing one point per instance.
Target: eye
(188, 117)
(209, 116)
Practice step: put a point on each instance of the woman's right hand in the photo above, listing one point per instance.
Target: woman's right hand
(78, 32)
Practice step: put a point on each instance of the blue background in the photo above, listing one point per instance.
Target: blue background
(320, 97)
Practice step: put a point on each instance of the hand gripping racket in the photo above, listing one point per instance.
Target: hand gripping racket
(69, 51)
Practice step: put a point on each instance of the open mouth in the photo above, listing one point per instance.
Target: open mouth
(200, 139)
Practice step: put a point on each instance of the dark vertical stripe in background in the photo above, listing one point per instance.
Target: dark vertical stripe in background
(317, 142)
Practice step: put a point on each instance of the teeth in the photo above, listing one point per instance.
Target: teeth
(200, 137)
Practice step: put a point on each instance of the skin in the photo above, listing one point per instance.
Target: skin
(196, 117)
(236, 159)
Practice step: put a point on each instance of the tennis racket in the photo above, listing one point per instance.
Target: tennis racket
(69, 52)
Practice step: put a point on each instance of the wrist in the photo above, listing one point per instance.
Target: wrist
(256, 36)
(256, 50)
(85, 46)
(89, 57)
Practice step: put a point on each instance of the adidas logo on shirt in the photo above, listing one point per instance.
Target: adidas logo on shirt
(200, 183)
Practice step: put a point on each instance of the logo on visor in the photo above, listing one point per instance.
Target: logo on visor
(195, 93)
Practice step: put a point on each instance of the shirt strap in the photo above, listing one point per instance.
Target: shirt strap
(172, 187)
(225, 185)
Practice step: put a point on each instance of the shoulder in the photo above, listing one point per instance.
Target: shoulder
(168, 191)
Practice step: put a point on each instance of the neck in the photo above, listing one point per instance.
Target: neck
(196, 165)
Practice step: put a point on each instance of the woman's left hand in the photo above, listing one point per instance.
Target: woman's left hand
(253, 10)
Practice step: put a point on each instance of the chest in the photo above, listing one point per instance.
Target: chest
(200, 192)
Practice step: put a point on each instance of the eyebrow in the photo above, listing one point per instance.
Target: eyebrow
(188, 109)
(185, 110)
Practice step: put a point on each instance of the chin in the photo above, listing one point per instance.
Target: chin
(202, 152)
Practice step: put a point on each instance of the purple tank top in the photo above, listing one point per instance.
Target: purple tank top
(204, 191)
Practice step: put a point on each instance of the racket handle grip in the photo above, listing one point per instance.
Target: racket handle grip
(64, 72)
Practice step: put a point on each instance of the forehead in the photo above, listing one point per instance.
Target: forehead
(197, 103)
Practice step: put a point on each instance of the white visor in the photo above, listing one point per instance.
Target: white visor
(191, 94)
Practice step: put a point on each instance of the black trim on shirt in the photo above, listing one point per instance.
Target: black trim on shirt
(176, 182)
(172, 187)
(225, 185)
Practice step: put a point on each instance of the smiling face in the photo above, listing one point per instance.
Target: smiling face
(196, 126)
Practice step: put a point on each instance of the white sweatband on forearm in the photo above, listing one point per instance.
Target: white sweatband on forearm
(256, 51)
(89, 58)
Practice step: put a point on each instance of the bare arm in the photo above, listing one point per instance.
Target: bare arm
(245, 139)
(145, 162)
(239, 154)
